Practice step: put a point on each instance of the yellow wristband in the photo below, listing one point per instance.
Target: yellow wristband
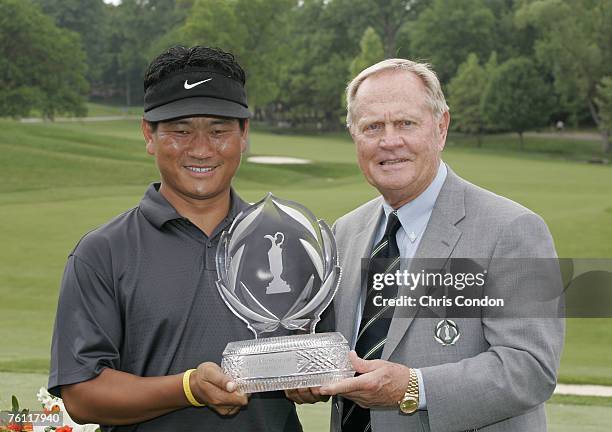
(187, 389)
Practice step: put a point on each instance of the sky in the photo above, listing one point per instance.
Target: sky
(115, 2)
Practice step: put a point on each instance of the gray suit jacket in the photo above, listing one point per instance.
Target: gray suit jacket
(501, 370)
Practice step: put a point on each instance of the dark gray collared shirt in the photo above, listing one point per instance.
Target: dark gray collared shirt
(139, 295)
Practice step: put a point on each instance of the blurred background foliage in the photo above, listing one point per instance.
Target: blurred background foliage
(299, 54)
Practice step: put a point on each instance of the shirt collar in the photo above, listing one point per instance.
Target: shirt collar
(158, 210)
(423, 204)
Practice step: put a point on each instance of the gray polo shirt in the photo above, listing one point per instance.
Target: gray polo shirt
(138, 295)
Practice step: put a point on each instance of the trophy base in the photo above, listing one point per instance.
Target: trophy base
(287, 362)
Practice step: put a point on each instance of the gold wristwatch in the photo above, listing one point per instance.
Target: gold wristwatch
(410, 402)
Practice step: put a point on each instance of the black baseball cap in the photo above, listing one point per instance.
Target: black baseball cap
(196, 91)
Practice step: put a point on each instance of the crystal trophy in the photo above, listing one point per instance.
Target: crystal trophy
(277, 268)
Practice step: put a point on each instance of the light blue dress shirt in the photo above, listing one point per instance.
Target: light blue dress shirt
(414, 217)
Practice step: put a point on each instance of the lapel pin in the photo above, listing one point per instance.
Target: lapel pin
(447, 332)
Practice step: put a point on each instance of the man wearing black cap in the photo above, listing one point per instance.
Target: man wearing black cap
(140, 327)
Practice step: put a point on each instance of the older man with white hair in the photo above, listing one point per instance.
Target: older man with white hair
(420, 371)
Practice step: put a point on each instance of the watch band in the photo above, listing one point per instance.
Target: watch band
(413, 384)
(410, 402)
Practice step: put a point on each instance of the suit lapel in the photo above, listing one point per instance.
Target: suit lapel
(438, 242)
(351, 285)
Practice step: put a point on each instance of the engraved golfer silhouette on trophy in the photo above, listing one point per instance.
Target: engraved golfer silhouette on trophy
(277, 284)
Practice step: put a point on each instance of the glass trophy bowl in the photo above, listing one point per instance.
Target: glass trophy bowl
(277, 269)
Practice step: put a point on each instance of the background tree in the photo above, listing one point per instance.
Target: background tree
(135, 29)
(297, 53)
(386, 17)
(575, 39)
(390, 16)
(604, 102)
(465, 96)
(371, 52)
(89, 19)
(445, 34)
(517, 98)
(324, 39)
(314, 74)
(42, 67)
(253, 30)
(508, 40)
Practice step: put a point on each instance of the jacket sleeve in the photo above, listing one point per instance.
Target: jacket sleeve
(518, 371)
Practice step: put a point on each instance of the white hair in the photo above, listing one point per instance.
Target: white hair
(435, 98)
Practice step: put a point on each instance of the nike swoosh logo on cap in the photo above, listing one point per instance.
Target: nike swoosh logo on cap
(190, 86)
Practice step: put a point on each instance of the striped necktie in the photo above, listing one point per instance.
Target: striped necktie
(375, 320)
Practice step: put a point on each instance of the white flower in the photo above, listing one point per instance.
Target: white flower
(48, 401)
(45, 398)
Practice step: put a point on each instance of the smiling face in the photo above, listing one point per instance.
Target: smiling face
(398, 138)
(197, 157)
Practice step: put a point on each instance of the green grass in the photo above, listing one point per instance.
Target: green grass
(96, 109)
(61, 180)
(563, 148)
(100, 110)
(24, 386)
(571, 418)
(315, 417)
(564, 415)
(588, 350)
(581, 400)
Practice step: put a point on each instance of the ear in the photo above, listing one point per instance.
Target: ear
(244, 137)
(147, 133)
(443, 124)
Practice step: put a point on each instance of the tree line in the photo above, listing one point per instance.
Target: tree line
(506, 65)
